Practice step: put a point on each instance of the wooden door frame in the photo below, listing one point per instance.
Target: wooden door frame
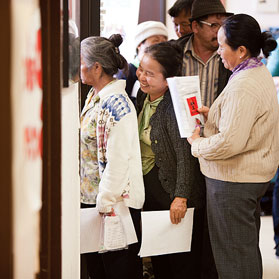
(6, 204)
(50, 248)
(89, 26)
(152, 10)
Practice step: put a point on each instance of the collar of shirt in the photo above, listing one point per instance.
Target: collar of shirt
(90, 100)
(190, 52)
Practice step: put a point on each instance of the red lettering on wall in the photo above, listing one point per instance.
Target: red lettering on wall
(33, 66)
(32, 142)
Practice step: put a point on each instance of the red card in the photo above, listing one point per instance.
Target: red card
(193, 105)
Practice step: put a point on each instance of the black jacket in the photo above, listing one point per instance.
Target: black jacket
(179, 171)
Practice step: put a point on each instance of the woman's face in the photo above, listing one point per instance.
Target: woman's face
(230, 58)
(151, 77)
(86, 74)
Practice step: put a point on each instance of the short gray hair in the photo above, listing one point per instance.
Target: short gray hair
(105, 51)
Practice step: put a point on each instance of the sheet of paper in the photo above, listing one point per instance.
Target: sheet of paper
(160, 236)
(90, 227)
(186, 98)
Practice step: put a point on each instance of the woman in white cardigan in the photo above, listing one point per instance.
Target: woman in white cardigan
(239, 151)
(110, 166)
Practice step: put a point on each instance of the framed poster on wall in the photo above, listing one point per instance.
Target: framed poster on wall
(267, 6)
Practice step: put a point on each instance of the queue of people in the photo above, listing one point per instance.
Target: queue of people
(133, 152)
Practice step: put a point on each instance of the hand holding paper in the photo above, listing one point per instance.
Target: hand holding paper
(195, 135)
(204, 110)
(91, 224)
(178, 209)
(186, 98)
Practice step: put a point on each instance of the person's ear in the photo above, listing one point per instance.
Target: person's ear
(97, 65)
(243, 52)
(195, 25)
(96, 69)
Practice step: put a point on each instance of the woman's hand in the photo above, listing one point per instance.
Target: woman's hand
(195, 135)
(178, 209)
(204, 111)
(111, 213)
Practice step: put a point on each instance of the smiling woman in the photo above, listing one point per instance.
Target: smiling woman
(172, 178)
(151, 78)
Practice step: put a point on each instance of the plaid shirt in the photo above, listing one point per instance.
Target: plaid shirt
(208, 72)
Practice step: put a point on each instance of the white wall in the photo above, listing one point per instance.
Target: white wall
(265, 20)
(26, 132)
(70, 183)
(169, 22)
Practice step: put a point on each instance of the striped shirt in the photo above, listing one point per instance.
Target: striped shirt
(208, 72)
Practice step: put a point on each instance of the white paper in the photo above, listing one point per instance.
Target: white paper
(90, 227)
(182, 90)
(160, 236)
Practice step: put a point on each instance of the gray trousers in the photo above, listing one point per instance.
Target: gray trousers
(234, 222)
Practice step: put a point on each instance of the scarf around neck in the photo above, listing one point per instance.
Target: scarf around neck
(249, 63)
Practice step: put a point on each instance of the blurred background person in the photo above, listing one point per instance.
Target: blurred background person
(110, 165)
(273, 67)
(74, 58)
(180, 14)
(239, 152)
(146, 34)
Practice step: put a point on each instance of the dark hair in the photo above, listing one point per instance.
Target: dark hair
(169, 55)
(105, 51)
(244, 30)
(179, 6)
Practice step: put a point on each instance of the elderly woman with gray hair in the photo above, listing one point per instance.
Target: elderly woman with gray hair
(110, 153)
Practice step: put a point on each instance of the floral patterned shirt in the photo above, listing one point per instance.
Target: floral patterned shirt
(89, 171)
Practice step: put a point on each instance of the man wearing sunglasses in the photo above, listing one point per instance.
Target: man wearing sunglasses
(200, 49)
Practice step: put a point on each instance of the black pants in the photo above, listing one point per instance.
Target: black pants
(122, 264)
(190, 265)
